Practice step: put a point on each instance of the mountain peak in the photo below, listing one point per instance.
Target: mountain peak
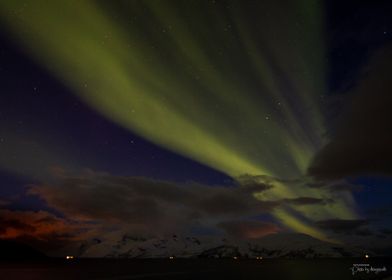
(288, 245)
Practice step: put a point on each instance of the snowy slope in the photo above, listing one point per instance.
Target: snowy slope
(286, 245)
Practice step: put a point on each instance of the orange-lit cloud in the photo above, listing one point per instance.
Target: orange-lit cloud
(40, 225)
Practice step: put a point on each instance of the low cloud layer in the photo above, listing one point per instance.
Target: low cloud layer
(340, 226)
(362, 142)
(95, 204)
(149, 204)
(43, 230)
(336, 186)
(305, 200)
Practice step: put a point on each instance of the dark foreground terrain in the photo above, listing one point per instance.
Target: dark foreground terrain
(196, 269)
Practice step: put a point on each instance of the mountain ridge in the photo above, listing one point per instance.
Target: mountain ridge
(281, 245)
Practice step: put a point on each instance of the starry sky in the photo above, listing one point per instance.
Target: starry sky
(240, 118)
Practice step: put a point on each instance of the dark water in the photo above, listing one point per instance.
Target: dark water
(319, 269)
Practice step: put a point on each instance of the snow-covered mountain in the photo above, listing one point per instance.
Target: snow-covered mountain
(288, 245)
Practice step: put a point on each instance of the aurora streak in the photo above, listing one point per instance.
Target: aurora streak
(192, 78)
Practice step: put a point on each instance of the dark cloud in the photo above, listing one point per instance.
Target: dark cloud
(233, 203)
(248, 229)
(45, 231)
(152, 205)
(36, 224)
(362, 142)
(336, 186)
(305, 200)
(364, 232)
(15, 225)
(96, 204)
(345, 187)
(4, 202)
(341, 226)
(386, 231)
(258, 183)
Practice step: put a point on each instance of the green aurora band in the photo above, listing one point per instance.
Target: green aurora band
(236, 87)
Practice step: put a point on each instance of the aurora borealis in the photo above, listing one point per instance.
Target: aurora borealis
(240, 88)
(230, 103)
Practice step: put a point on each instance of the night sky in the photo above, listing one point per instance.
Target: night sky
(240, 118)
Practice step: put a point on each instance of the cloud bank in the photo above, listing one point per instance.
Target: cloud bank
(362, 142)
